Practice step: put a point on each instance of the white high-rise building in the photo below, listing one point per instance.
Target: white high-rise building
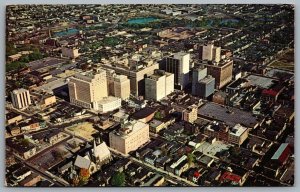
(159, 85)
(20, 98)
(89, 87)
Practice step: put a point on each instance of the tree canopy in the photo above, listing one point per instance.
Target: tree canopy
(118, 179)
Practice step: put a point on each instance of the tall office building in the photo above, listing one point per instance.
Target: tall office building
(178, 64)
(205, 87)
(117, 85)
(20, 98)
(135, 75)
(159, 85)
(222, 72)
(89, 87)
(121, 87)
(210, 52)
(198, 74)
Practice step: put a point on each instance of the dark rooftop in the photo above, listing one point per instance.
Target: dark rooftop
(220, 112)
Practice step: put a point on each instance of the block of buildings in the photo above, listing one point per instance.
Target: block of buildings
(159, 85)
(20, 98)
(129, 137)
(235, 135)
(135, 74)
(12, 117)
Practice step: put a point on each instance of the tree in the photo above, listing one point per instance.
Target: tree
(75, 181)
(118, 179)
(157, 115)
(84, 175)
(191, 158)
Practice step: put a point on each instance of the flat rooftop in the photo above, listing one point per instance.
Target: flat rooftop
(134, 126)
(212, 149)
(238, 130)
(49, 87)
(280, 150)
(274, 73)
(107, 100)
(220, 112)
(207, 79)
(46, 62)
(260, 81)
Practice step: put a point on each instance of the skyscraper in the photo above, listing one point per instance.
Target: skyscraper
(198, 74)
(20, 98)
(117, 85)
(205, 87)
(222, 72)
(86, 88)
(159, 85)
(178, 64)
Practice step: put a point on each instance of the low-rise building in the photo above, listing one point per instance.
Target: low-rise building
(13, 117)
(107, 104)
(156, 126)
(238, 134)
(190, 114)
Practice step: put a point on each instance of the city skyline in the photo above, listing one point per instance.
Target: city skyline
(165, 95)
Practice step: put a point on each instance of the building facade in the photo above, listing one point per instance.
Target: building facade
(107, 104)
(70, 52)
(190, 114)
(238, 134)
(205, 87)
(159, 85)
(84, 89)
(210, 52)
(198, 74)
(222, 72)
(129, 137)
(117, 85)
(178, 64)
(121, 87)
(20, 98)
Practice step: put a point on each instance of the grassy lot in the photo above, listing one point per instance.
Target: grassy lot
(84, 130)
(286, 61)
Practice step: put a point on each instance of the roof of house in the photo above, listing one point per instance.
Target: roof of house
(279, 151)
(82, 162)
(101, 150)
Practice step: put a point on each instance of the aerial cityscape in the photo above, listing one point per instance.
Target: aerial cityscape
(164, 95)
